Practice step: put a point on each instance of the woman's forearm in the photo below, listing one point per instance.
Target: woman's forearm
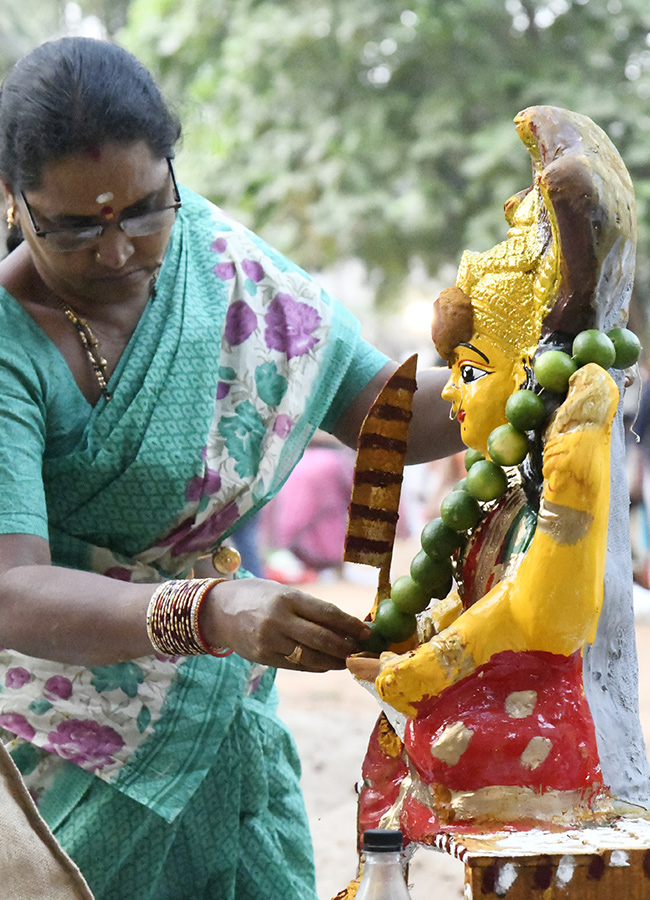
(86, 619)
(431, 433)
(73, 616)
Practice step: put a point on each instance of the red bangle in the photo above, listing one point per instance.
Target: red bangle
(196, 628)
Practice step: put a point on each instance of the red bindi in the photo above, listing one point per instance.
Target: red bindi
(107, 212)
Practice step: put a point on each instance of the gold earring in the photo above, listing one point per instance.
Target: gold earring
(11, 221)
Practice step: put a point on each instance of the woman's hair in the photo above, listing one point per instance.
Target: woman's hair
(73, 95)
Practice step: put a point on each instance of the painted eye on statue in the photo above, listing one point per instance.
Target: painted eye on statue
(471, 373)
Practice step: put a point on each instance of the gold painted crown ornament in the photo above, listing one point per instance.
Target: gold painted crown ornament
(567, 263)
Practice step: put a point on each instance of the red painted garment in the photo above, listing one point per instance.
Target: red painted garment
(384, 769)
(520, 720)
(548, 708)
(498, 730)
(498, 544)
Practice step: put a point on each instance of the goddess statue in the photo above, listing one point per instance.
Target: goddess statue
(521, 708)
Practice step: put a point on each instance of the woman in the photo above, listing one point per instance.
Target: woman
(161, 372)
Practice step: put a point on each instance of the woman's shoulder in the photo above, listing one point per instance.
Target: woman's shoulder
(27, 355)
(228, 235)
(20, 288)
(15, 322)
(199, 210)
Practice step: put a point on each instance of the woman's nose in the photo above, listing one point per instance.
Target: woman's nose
(113, 248)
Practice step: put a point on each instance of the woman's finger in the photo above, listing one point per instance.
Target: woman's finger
(305, 659)
(321, 639)
(330, 616)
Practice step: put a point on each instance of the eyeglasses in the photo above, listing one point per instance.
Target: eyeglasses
(66, 240)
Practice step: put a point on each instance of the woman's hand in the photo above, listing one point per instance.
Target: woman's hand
(265, 622)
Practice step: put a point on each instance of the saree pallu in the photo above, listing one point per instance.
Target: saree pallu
(234, 364)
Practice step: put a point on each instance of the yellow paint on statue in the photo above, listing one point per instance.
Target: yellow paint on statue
(552, 603)
(500, 746)
(510, 287)
(482, 378)
(569, 548)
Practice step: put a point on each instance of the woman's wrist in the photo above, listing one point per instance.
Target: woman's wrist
(202, 613)
(174, 618)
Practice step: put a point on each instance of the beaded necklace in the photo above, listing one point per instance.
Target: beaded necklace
(90, 343)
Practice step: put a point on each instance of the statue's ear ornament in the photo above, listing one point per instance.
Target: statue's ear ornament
(452, 321)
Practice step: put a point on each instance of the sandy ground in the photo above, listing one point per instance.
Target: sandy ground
(332, 717)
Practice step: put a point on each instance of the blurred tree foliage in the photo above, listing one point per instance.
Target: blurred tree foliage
(383, 130)
(376, 129)
(25, 24)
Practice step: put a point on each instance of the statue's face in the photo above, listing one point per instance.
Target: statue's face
(483, 375)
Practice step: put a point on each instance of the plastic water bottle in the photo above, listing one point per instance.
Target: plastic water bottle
(383, 878)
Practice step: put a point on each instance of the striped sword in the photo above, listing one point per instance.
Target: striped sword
(378, 473)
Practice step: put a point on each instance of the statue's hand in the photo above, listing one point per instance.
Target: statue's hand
(407, 681)
(577, 442)
(590, 403)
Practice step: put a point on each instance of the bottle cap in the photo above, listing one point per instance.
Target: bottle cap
(382, 840)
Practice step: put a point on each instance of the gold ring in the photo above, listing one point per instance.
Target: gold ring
(296, 655)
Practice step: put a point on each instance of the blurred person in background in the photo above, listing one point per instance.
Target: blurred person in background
(304, 525)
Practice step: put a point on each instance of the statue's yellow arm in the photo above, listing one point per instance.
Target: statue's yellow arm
(553, 601)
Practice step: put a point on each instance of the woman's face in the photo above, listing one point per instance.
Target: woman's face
(483, 375)
(99, 187)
